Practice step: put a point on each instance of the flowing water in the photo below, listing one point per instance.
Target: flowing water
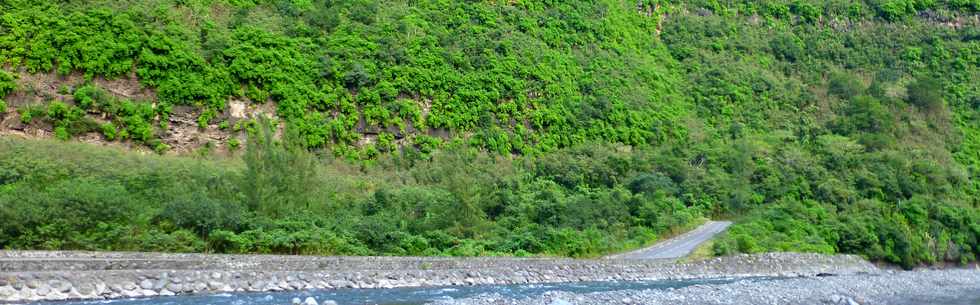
(411, 296)
(400, 296)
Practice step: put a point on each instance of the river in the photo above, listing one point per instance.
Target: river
(581, 292)
(402, 296)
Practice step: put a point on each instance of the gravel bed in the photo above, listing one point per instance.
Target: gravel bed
(946, 286)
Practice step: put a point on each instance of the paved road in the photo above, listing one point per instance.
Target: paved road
(679, 246)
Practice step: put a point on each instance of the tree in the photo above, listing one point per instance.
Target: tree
(845, 85)
(279, 176)
(926, 93)
(787, 47)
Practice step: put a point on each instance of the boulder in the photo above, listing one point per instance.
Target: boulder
(310, 301)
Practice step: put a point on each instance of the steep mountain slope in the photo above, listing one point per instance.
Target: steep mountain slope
(483, 127)
(359, 77)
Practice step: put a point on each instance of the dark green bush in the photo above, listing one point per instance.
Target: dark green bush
(7, 83)
(201, 214)
(845, 85)
(926, 93)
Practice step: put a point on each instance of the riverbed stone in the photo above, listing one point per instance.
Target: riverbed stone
(160, 283)
(259, 273)
(6, 292)
(200, 286)
(62, 286)
(85, 288)
(130, 286)
(558, 302)
(131, 293)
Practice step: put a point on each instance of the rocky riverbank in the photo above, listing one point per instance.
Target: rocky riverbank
(32, 276)
(948, 286)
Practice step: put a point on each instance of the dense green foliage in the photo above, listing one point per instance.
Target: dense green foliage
(282, 200)
(528, 127)
(515, 75)
(857, 137)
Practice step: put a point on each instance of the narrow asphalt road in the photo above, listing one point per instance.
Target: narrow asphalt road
(679, 246)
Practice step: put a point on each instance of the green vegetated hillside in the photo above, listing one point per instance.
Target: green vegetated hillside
(572, 128)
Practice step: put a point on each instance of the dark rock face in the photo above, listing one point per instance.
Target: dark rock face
(35, 275)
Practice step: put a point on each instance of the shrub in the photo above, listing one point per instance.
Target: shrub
(160, 147)
(926, 93)
(61, 133)
(28, 112)
(808, 12)
(201, 214)
(89, 96)
(787, 47)
(234, 144)
(109, 131)
(58, 111)
(181, 241)
(845, 85)
(7, 83)
(894, 10)
(867, 114)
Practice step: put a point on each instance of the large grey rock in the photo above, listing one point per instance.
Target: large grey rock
(85, 288)
(6, 292)
(310, 301)
(42, 290)
(160, 283)
(559, 302)
(60, 286)
(129, 286)
(197, 287)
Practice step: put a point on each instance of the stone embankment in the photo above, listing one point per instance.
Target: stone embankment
(35, 275)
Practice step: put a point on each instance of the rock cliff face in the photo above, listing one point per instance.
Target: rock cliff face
(31, 276)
